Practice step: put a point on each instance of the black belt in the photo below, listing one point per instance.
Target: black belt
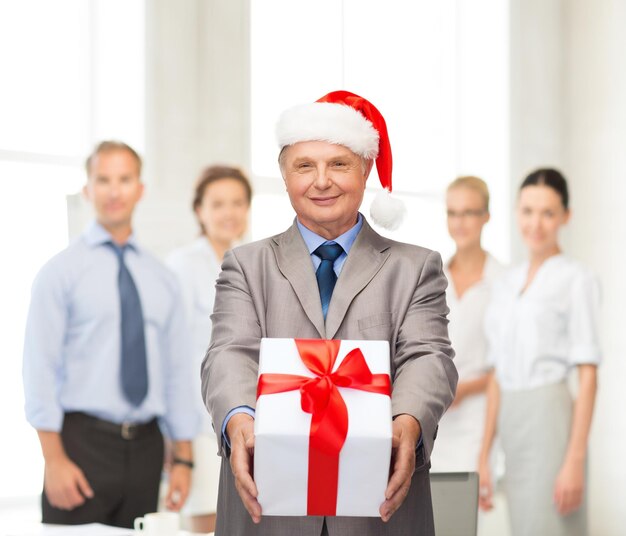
(126, 430)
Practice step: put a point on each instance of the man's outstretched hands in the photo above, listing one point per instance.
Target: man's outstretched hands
(406, 433)
(240, 430)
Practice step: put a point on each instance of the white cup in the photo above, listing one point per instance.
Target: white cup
(158, 524)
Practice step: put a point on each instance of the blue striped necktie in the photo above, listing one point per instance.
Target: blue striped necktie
(325, 274)
(134, 366)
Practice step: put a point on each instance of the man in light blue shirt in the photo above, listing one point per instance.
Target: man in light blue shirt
(105, 357)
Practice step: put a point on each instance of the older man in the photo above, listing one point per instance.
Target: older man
(331, 276)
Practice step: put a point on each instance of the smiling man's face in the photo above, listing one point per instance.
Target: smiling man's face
(114, 187)
(325, 183)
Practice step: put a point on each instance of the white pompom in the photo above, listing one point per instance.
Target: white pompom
(387, 211)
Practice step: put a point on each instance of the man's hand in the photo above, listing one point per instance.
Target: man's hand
(180, 481)
(240, 432)
(569, 487)
(406, 433)
(65, 484)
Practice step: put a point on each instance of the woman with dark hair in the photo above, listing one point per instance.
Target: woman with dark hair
(541, 324)
(221, 203)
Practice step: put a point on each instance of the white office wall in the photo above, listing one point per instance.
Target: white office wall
(568, 81)
(437, 71)
(536, 93)
(196, 111)
(196, 107)
(594, 130)
(63, 76)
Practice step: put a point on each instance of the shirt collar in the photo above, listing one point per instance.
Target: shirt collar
(489, 269)
(96, 235)
(313, 240)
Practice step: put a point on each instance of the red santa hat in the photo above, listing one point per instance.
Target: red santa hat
(344, 118)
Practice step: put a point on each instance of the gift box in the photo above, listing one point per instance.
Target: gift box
(322, 427)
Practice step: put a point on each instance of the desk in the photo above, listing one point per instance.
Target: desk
(91, 529)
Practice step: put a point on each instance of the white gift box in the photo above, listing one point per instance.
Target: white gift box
(282, 433)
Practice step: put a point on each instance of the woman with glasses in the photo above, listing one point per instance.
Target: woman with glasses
(470, 272)
(542, 324)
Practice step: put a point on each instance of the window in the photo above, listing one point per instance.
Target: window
(73, 74)
(436, 70)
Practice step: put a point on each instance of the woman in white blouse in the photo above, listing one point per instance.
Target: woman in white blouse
(221, 202)
(470, 272)
(541, 324)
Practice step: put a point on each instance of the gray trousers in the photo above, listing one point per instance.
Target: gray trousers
(413, 518)
(534, 428)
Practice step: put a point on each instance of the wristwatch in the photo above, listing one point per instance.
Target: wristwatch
(180, 461)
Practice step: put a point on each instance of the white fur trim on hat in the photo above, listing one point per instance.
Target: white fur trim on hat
(387, 211)
(326, 121)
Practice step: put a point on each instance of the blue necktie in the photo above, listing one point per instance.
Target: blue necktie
(325, 274)
(134, 367)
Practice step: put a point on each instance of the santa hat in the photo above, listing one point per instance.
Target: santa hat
(344, 118)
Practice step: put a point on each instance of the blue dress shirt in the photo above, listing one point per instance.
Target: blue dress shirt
(312, 241)
(72, 343)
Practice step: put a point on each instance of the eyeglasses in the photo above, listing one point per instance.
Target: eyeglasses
(466, 214)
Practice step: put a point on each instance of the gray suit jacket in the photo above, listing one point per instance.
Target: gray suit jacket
(386, 291)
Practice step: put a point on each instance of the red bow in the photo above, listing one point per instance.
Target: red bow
(329, 422)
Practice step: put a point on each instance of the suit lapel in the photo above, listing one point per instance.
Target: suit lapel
(367, 256)
(294, 262)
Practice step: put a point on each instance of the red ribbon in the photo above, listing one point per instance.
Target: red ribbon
(329, 422)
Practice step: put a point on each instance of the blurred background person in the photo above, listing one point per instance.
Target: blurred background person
(221, 204)
(470, 272)
(104, 360)
(541, 324)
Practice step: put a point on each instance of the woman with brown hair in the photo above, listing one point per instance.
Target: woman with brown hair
(221, 204)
